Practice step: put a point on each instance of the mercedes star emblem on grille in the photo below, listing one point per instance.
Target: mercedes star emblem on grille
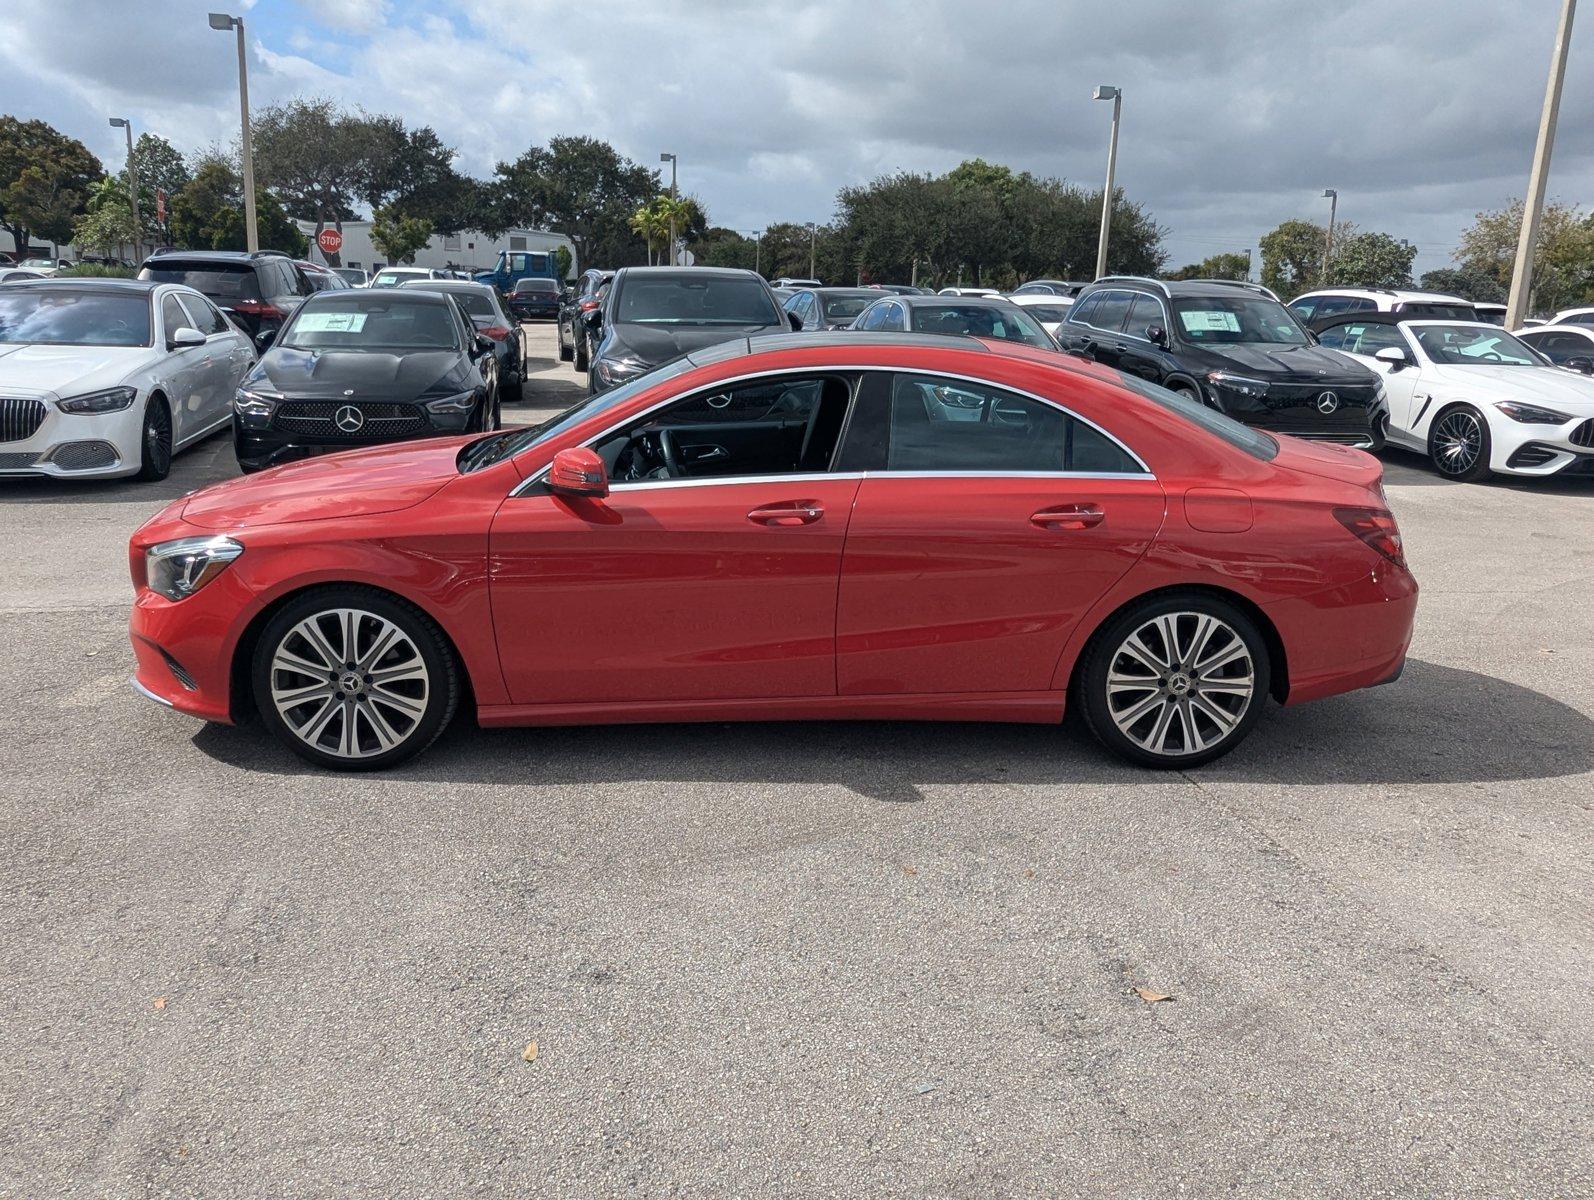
(351, 420)
(1327, 402)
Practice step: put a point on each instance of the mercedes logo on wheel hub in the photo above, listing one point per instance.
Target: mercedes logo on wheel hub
(349, 419)
(1327, 402)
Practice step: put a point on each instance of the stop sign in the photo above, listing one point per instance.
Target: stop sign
(330, 241)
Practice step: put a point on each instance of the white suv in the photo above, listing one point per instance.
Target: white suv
(1334, 302)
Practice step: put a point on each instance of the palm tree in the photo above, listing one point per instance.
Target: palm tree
(646, 225)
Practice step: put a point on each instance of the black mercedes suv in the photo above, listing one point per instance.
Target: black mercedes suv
(1232, 346)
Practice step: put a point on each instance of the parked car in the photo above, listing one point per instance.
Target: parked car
(48, 266)
(820, 309)
(968, 291)
(578, 312)
(321, 279)
(111, 377)
(791, 283)
(365, 365)
(965, 316)
(654, 314)
(1471, 396)
(532, 298)
(841, 564)
(1495, 314)
(258, 291)
(1050, 309)
(486, 313)
(1333, 302)
(1569, 346)
(1567, 316)
(900, 289)
(393, 276)
(1050, 287)
(353, 276)
(1232, 346)
(17, 274)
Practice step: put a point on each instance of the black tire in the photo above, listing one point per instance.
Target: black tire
(436, 697)
(155, 442)
(1380, 434)
(580, 353)
(1178, 687)
(566, 353)
(1459, 444)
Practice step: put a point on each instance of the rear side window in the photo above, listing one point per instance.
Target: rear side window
(940, 424)
(1241, 437)
(1110, 313)
(223, 282)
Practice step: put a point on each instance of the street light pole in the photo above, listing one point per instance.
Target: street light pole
(224, 22)
(1533, 204)
(813, 250)
(670, 158)
(758, 250)
(1328, 247)
(1104, 92)
(132, 180)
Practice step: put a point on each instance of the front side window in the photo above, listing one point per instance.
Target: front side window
(173, 317)
(939, 424)
(785, 425)
(1084, 311)
(1110, 312)
(204, 315)
(1236, 320)
(1145, 313)
(1472, 346)
(41, 316)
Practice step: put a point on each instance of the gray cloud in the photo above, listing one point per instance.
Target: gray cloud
(1236, 116)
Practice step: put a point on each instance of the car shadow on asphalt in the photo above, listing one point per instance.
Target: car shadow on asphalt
(1435, 725)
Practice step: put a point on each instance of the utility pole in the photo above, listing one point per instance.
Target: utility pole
(1533, 204)
(1104, 92)
(132, 181)
(813, 250)
(1248, 264)
(222, 21)
(1328, 247)
(670, 158)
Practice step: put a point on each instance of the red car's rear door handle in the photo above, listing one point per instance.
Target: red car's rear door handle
(1069, 516)
(793, 512)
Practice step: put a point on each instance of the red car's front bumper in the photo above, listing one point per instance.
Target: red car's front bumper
(184, 648)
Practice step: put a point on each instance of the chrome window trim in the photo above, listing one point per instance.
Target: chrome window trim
(1145, 472)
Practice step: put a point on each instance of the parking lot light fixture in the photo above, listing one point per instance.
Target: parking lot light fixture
(670, 158)
(1107, 92)
(813, 250)
(224, 22)
(1332, 197)
(132, 179)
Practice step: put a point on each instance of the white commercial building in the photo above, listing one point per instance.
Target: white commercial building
(467, 250)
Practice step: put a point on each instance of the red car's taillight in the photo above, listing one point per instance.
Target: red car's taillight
(497, 332)
(1376, 527)
(258, 308)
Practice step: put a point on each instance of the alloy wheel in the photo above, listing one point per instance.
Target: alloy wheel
(1457, 442)
(155, 441)
(349, 683)
(1180, 683)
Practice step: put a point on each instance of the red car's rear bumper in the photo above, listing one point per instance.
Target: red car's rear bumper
(1347, 637)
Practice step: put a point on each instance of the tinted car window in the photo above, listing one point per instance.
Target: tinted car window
(173, 316)
(1436, 312)
(1110, 313)
(221, 281)
(939, 424)
(349, 321)
(981, 320)
(1047, 312)
(844, 308)
(701, 301)
(73, 317)
(1143, 314)
(1083, 312)
(1367, 338)
(536, 285)
(205, 316)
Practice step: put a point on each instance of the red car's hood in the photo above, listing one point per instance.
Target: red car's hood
(356, 483)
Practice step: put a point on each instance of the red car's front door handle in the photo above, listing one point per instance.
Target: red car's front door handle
(801, 512)
(1069, 516)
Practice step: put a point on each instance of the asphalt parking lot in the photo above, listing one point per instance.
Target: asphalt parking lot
(875, 960)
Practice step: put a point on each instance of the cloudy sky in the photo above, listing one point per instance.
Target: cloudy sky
(1236, 115)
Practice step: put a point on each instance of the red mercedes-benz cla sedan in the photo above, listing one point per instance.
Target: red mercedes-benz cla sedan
(838, 526)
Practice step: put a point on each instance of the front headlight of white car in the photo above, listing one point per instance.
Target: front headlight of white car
(1532, 414)
(93, 403)
(180, 568)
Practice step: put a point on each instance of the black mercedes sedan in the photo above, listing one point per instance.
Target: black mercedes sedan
(358, 367)
(482, 305)
(654, 314)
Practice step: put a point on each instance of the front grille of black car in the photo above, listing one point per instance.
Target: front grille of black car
(1583, 435)
(1360, 440)
(1293, 395)
(382, 420)
(20, 419)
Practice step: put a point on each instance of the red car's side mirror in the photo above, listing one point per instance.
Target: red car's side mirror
(578, 471)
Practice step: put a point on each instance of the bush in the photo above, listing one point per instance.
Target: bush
(99, 271)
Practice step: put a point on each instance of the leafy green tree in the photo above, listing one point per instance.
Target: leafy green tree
(44, 180)
(106, 228)
(1371, 260)
(1292, 255)
(1466, 282)
(1227, 265)
(317, 158)
(208, 215)
(398, 236)
(579, 186)
(562, 261)
(721, 247)
(160, 168)
(1563, 258)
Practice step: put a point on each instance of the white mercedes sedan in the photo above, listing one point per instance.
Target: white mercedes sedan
(1471, 396)
(111, 377)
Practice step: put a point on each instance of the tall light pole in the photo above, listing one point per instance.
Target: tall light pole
(1248, 264)
(1533, 204)
(1105, 92)
(758, 249)
(224, 22)
(1328, 247)
(132, 179)
(670, 158)
(813, 250)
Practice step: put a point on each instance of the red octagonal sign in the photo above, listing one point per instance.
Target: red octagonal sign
(330, 241)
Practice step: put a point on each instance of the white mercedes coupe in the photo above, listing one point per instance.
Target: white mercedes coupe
(1471, 396)
(111, 377)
